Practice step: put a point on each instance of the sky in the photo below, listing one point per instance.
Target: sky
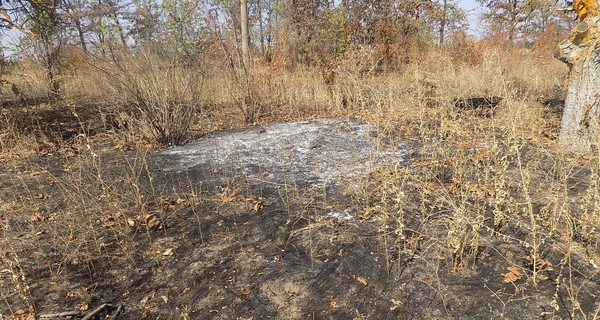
(473, 10)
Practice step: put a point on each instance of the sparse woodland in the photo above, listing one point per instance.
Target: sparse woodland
(90, 88)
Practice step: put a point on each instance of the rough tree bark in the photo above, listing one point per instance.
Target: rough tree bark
(580, 127)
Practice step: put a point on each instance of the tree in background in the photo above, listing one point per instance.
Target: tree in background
(505, 16)
(446, 18)
(521, 21)
(308, 32)
(46, 39)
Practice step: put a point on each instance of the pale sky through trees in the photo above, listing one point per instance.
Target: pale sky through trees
(473, 11)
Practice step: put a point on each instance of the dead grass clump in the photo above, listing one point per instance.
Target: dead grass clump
(155, 97)
(16, 142)
(28, 82)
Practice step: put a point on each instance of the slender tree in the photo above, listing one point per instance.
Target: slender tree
(580, 127)
(245, 38)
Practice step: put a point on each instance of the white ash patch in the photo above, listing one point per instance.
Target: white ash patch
(341, 214)
(329, 151)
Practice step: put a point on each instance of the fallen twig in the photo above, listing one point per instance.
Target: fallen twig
(60, 314)
(96, 311)
(116, 313)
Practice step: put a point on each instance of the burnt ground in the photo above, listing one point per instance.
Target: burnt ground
(237, 226)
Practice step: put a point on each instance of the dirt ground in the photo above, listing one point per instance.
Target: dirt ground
(219, 242)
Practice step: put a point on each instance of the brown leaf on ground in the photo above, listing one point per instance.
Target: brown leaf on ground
(146, 298)
(291, 293)
(182, 201)
(23, 315)
(362, 280)
(333, 303)
(258, 204)
(540, 264)
(245, 291)
(228, 195)
(152, 222)
(512, 275)
(367, 213)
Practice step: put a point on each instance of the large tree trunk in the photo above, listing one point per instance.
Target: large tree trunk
(581, 116)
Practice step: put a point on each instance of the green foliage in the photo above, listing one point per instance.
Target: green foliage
(183, 26)
(44, 18)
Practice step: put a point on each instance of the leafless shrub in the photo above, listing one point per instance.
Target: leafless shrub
(155, 97)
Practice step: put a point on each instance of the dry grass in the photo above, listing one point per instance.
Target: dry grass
(482, 177)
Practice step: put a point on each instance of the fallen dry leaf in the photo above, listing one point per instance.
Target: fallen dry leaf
(540, 264)
(333, 303)
(147, 298)
(291, 293)
(41, 217)
(223, 234)
(361, 280)
(23, 315)
(396, 305)
(228, 195)
(36, 173)
(259, 204)
(152, 222)
(367, 213)
(168, 252)
(245, 291)
(91, 286)
(512, 275)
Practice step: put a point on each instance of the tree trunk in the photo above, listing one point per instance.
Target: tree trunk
(244, 23)
(260, 27)
(581, 116)
(80, 32)
(443, 22)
